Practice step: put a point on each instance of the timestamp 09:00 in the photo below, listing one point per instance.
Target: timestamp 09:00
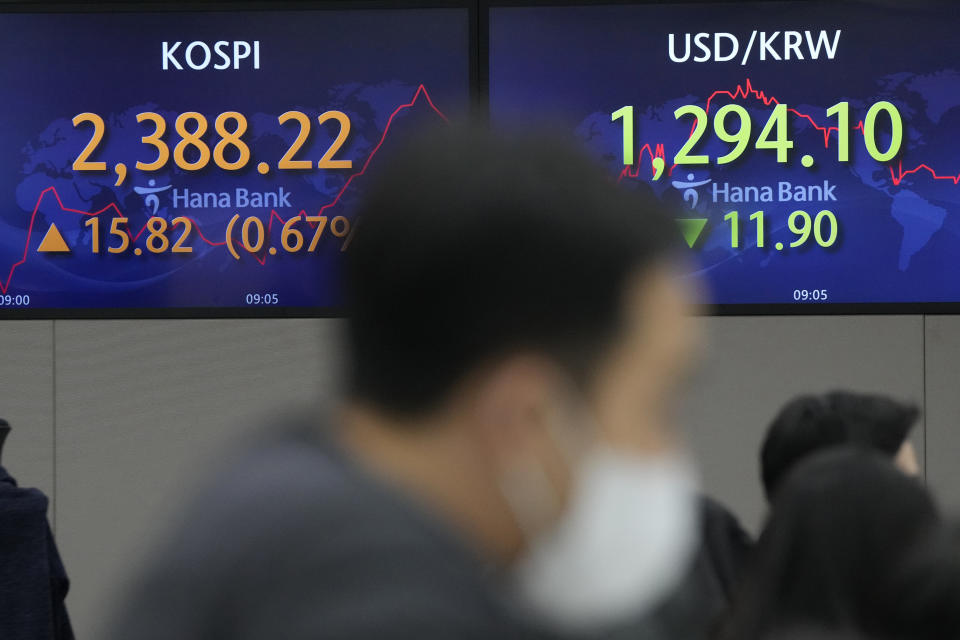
(19, 300)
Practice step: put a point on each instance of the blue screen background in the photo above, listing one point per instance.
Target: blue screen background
(899, 239)
(366, 63)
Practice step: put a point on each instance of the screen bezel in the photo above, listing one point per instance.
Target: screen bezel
(753, 309)
(479, 74)
(179, 6)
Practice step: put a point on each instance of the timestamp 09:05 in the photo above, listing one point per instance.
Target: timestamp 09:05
(810, 295)
(262, 298)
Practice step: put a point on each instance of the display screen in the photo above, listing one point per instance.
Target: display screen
(809, 149)
(177, 162)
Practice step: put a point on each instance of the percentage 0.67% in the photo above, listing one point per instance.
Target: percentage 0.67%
(254, 234)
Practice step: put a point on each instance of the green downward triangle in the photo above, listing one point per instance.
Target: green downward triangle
(691, 228)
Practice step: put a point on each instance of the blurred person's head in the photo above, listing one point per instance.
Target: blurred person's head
(517, 337)
(924, 592)
(816, 633)
(811, 423)
(841, 527)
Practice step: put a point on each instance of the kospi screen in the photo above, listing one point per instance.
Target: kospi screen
(209, 163)
(808, 148)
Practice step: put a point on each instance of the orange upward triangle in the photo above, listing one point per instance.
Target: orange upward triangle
(53, 242)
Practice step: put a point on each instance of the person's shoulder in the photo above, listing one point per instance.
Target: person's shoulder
(294, 495)
(255, 536)
(293, 538)
(278, 471)
(14, 498)
(289, 476)
(717, 517)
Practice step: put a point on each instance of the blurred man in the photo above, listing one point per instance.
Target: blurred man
(810, 423)
(504, 464)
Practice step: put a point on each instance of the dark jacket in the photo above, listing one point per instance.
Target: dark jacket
(296, 542)
(702, 602)
(33, 583)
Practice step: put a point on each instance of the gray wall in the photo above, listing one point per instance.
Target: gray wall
(116, 420)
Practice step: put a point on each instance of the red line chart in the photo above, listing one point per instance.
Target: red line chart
(51, 191)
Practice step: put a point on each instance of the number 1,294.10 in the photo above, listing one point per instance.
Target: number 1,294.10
(775, 133)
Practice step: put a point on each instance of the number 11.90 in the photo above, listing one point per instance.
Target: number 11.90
(822, 227)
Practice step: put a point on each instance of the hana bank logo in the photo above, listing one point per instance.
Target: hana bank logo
(689, 188)
(151, 199)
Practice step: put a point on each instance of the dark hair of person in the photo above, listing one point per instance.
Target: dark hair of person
(474, 245)
(811, 423)
(815, 633)
(925, 592)
(838, 534)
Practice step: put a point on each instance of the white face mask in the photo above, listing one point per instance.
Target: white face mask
(624, 543)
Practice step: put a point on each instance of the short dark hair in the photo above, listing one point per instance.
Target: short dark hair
(474, 245)
(811, 423)
(842, 525)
